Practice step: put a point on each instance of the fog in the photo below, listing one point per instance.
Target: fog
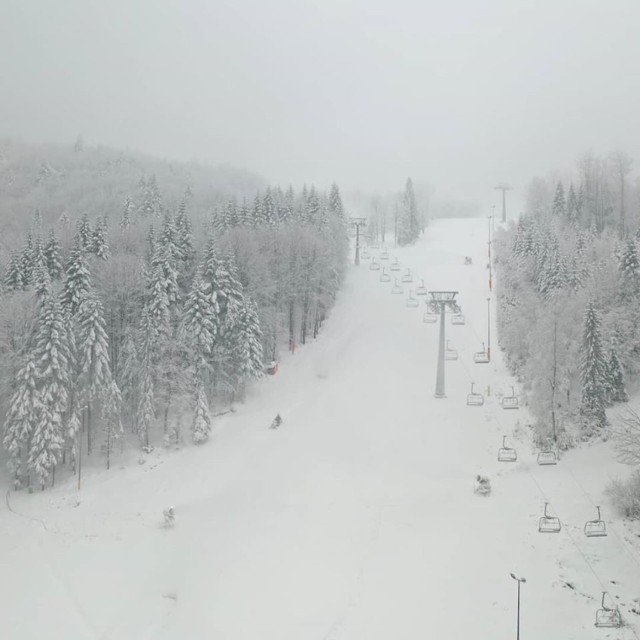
(459, 94)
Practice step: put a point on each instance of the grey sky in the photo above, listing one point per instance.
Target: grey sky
(461, 93)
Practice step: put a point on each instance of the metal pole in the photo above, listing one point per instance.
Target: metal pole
(357, 262)
(489, 329)
(518, 626)
(490, 274)
(440, 373)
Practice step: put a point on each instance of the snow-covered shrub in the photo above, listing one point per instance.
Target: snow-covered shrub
(625, 495)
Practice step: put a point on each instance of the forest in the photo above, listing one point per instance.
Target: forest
(142, 297)
(568, 308)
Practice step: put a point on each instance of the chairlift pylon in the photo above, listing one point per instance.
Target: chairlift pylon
(510, 402)
(411, 300)
(607, 617)
(450, 353)
(474, 399)
(547, 523)
(421, 289)
(505, 453)
(547, 457)
(595, 528)
(407, 277)
(481, 357)
(373, 265)
(397, 288)
(384, 276)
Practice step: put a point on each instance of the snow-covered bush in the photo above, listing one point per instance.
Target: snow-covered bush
(625, 495)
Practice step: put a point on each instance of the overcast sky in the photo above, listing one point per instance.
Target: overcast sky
(459, 93)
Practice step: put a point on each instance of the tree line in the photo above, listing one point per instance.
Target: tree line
(138, 324)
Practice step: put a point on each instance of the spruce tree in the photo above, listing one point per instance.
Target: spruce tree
(14, 279)
(26, 261)
(616, 390)
(53, 258)
(572, 207)
(593, 373)
(199, 320)
(99, 241)
(629, 267)
(111, 421)
(201, 425)
(84, 236)
(559, 208)
(77, 284)
(335, 202)
(408, 222)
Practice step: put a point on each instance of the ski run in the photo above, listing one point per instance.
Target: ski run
(356, 518)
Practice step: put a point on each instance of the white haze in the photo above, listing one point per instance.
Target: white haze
(458, 94)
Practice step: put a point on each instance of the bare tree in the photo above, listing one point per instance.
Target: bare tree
(621, 163)
(626, 435)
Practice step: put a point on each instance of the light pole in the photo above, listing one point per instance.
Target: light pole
(489, 244)
(357, 223)
(489, 329)
(518, 580)
(440, 301)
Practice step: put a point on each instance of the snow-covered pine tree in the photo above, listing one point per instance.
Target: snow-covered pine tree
(14, 278)
(408, 222)
(247, 353)
(93, 357)
(126, 220)
(111, 421)
(559, 207)
(616, 389)
(37, 256)
(572, 207)
(52, 256)
(629, 267)
(199, 323)
(146, 406)
(84, 236)
(593, 373)
(129, 376)
(335, 202)
(201, 425)
(26, 261)
(312, 208)
(77, 284)
(99, 240)
(20, 420)
(54, 362)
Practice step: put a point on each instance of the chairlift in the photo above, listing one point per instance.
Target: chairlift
(421, 290)
(547, 523)
(407, 277)
(384, 255)
(429, 317)
(481, 357)
(510, 402)
(547, 457)
(375, 246)
(450, 353)
(595, 528)
(365, 255)
(474, 399)
(373, 265)
(506, 454)
(384, 276)
(397, 289)
(457, 318)
(411, 300)
(608, 617)
(395, 266)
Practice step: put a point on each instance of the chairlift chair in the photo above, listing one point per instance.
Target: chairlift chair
(450, 353)
(373, 265)
(474, 399)
(506, 454)
(595, 528)
(547, 523)
(510, 402)
(397, 289)
(429, 317)
(457, 318)
(365, 255)
(375, 246)
(481, 357)
(421, 290)
(395, 266)
(547, 457)
(384, 255)
(407, 277)
(384, 276)
(411, 300)
(608, 617)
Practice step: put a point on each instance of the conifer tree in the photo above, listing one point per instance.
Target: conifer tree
(84, 236)
(129, 374)
(572, 207)
(201, 426)
(53, 258)
(335, 202)
(616, 390)
(247, 353)
(77, 284)
(408, 222)
(629, 266)
(112, 423)
(14, 278)
(26, 261)
(199, 326)
(99, 241)
(559, 208)
(126, 220)
(593, 375)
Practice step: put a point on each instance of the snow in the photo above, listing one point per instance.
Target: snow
(356, 519)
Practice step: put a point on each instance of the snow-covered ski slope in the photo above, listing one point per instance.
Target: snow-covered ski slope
(355, 520)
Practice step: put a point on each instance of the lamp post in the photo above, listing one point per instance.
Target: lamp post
(489, 329)
(439, 303)
(489, 244)
(357, 223)
(519, 581)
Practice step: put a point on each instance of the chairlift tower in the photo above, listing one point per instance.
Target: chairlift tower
(440, 302)
(357, 223)
(504, 187)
